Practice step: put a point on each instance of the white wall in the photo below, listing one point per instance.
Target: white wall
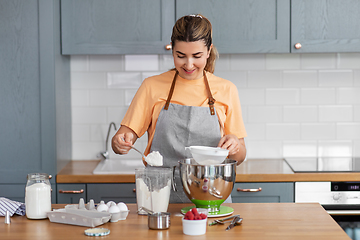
(293, 104)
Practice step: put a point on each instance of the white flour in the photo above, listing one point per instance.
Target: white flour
(154, 159)
(157, 200)
(37, 200)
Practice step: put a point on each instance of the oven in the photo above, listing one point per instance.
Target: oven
(340, 199)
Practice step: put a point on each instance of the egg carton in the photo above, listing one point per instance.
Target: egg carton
(80, 217)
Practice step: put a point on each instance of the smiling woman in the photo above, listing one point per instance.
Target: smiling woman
(178, 108)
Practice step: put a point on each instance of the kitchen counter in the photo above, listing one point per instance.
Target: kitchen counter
(261, 221)
(252, 170)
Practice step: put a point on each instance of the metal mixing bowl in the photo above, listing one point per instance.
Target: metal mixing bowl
(208, 186)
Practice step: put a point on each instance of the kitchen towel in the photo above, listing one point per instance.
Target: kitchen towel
(11, 206)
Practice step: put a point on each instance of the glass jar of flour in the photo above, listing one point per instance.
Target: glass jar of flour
(37, 196)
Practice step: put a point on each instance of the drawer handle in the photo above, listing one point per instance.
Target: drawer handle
(249, 189)
(134, 190)
(168, 47)
(297, 46)
(72, 191)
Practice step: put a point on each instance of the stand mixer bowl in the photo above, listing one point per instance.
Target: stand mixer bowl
(208, 186)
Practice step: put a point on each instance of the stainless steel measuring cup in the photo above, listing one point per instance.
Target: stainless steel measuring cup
(157, 220)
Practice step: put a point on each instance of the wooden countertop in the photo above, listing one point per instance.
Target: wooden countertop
(270, 221)
(252, 170)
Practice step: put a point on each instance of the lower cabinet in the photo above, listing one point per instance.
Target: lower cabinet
(263, 192)
(16, 192)
(70, 193)
(117, 192)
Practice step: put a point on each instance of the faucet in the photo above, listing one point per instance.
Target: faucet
(105, 154)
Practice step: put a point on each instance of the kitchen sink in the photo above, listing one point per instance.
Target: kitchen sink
(118, 166)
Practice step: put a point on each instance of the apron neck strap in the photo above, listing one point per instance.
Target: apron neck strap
(210, 97)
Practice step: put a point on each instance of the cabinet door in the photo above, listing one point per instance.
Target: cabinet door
(71, 193)
(270, 192)
(16, 192)
(116, 26)
(325, 25)
(244, 26)
(117, 192)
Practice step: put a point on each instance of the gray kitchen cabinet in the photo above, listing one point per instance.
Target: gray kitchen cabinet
(244, 26)
(116, 26)
(35, 120)
(71, 193)
(270, 192)
(325, 26)
(117, 192)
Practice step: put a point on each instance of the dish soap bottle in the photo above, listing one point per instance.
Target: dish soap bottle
(37, 196)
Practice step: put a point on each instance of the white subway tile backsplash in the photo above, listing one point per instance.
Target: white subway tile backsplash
(357, 78)
(265, 114)
(80, 98)
(236, 77)
(348, 95)
(141, 62)
(107, 63)
(252, 96)
(293, 105)
(284, 131)
(300, 114)
(107, 98)
(335, 149)
(349, 60)
(166, 62)
(264, 149)
(88, 115)
(124, 80)
(88, 80)
(334, 113)
(318, 61)
(282, 96)
(318, 131)
(80, 132)
(255, 131)
(79, 63)
(318, 96)
(265, 79)
(247, 62)
(335, 78)
(346, 131)
(299, 149)
(283, 61)
(300, 78)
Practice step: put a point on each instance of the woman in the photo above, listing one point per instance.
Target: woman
(187, 105)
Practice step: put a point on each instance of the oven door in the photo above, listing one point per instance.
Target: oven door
(347, 218)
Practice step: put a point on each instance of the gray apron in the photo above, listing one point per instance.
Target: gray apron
(181, 126)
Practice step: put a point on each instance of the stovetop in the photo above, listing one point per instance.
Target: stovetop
(324, 164)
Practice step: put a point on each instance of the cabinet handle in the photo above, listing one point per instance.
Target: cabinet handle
(297, 45)
(134, 190)
(72, 191)
(168, 47)
(249, 190)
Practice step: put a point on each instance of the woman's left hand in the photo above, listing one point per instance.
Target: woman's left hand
(236, 147)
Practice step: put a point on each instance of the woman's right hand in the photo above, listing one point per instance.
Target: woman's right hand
(123, 140)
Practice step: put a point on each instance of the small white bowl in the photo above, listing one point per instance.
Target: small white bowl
(208, 155)
(194, 227)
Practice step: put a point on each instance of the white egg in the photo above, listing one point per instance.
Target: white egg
(110, 203)
(114, 209)
(122, 206)
(102, 207)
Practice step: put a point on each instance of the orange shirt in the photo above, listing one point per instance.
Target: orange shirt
(151, 97)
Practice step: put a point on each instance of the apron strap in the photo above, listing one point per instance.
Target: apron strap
(171, 91)
(211, 99)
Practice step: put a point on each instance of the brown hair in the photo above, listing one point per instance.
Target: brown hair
(192, 28)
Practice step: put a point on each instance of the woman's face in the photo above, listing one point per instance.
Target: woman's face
(190, 59)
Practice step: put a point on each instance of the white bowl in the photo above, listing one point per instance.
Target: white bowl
(195, 227)
(208, 155)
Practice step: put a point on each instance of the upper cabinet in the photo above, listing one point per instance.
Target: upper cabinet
(116, 26)
(240, 26)
(325, 26)
(245, 26)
